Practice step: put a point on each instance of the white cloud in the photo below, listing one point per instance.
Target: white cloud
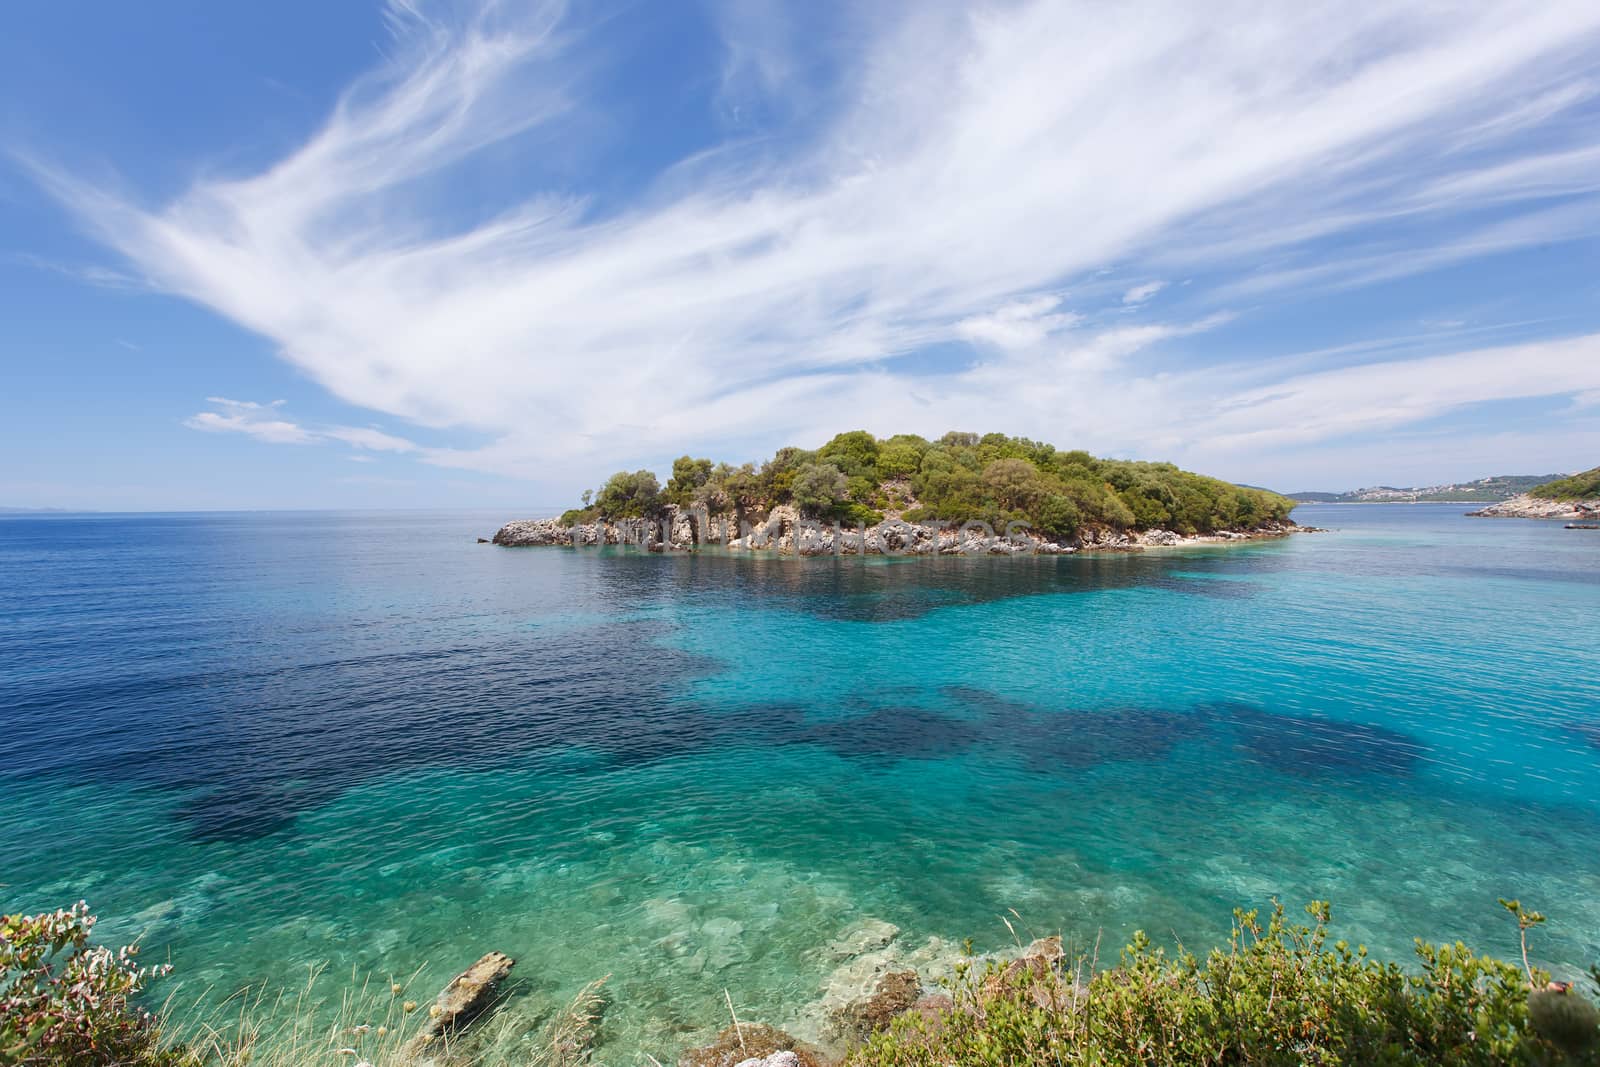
(1019, 324)
(265, 422)
(366, 437)
(1373, 397)
(1140, 293)
(257, 420)
(983, 157)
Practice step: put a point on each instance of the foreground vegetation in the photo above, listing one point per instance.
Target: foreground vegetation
(1278, 994)
(856, 478)
(1584, 486)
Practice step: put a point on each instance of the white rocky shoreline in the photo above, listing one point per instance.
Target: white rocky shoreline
(1527, 506)
(785, 532)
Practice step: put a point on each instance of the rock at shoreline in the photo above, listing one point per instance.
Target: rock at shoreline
(785, 532)
(892, 997)
(468, 995)
(746, 1044)
(1534, 507)
(1038, 973)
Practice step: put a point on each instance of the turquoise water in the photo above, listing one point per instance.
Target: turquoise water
(262, 741)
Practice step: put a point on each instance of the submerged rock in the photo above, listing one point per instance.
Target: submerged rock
(864, 936)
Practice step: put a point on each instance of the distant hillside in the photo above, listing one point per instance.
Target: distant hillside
(1584, 486)
(1482, 491)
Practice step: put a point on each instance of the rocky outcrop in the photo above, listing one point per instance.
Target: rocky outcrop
(753, 1045)
(1536, 507)
(468, 995)
(894, 994)
(786, 532)
(1037, 973)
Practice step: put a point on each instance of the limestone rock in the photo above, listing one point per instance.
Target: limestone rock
(1038, 973)
(785, 531)
(757, 1042)
(786, 1058)
(863, 937)
(466, 997)
(1533, 507)
(893, 996)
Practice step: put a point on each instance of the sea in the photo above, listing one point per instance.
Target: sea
(260, 743)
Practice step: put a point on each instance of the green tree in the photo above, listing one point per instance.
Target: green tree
(855, 453)
(688, 474)
(819, 490)
(629, 496)
(1012, 484)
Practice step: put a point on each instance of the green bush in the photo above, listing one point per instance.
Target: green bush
(67, 1003)
(1277, 994)
(629, 496)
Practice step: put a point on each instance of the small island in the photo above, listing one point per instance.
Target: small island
(1576, 496)
(964, 493)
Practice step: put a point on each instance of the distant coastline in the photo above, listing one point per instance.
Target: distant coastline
(1489, 490)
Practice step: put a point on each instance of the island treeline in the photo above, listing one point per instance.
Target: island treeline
(858, 478)
(1582, 486)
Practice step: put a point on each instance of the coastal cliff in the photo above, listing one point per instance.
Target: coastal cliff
(785, 532)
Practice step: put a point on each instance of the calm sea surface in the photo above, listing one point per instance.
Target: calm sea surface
(264, 740)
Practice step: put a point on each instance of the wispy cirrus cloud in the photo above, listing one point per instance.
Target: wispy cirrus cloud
(267, 423)
(1140, 293)
(979, 158)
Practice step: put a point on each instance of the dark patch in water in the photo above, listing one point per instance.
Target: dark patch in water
(238, 813)
(1587, 732)
(1216, 589)
(874, 590)
(1074, 738)
(1318, 747)
(1083, 739)
(894, 733)
(251, 750)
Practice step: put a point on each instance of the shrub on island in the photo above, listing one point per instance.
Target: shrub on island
(961, 477)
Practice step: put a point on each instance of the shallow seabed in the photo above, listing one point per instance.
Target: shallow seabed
(263, 741)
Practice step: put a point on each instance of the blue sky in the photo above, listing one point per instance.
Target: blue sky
(418, 254)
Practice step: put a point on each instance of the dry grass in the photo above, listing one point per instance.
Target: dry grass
(371, 1025)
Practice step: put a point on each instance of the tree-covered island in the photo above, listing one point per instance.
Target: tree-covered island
(856, 485)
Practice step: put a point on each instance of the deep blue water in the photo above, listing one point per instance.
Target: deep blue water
(261, 740)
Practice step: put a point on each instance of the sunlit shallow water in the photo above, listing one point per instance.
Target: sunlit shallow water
(262, 741)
